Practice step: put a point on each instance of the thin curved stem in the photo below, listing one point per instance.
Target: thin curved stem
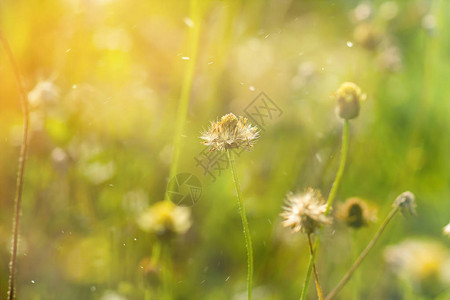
(356, 285)
(310, 267)
(316, 274)
(22, 159)
(165, 256)
(248, 238)
(363, 254)
(342, 161)
(331, 196)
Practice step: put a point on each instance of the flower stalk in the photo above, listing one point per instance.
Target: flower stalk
(230, 133)
(248, 239)
(405, 203)
(20, 173)
(363, 254)
(331, 196)
(357, 280)
(316, 274)
(306, 213)
(342, 161)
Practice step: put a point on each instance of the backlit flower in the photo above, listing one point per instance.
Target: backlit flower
(229, 133)
(305, 212)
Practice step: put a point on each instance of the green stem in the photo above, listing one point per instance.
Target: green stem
(20, 173)
(331, 196)
(164, 254)
(248, 239)
(155, 262)
(340, 172)
(187, 84)
(356, 285)
(316, 274)
(310, 268)
(363, 254)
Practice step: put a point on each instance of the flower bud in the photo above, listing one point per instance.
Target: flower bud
(356, 213)
(406, 203)
(348, 97)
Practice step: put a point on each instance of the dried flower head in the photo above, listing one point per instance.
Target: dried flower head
(356, 213)
(406, 203)
(229, 133)
(446, 230)
(305, 212)
(348, 98)
(165, 218)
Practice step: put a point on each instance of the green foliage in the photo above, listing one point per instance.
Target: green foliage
(119, 68)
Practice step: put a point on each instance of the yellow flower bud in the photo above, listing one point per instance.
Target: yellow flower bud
(348, 97)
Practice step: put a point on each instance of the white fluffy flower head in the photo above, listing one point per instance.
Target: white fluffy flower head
(305, 212)
(229, 133)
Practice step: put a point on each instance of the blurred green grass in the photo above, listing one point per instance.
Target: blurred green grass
(118, 68)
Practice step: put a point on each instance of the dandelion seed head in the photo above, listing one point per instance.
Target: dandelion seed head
(229, 133)
(305, 212)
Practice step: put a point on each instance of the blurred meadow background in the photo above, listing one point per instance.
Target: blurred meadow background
(104, 80)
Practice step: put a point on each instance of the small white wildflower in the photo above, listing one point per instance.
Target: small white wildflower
(305, 212)
(230, 132)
